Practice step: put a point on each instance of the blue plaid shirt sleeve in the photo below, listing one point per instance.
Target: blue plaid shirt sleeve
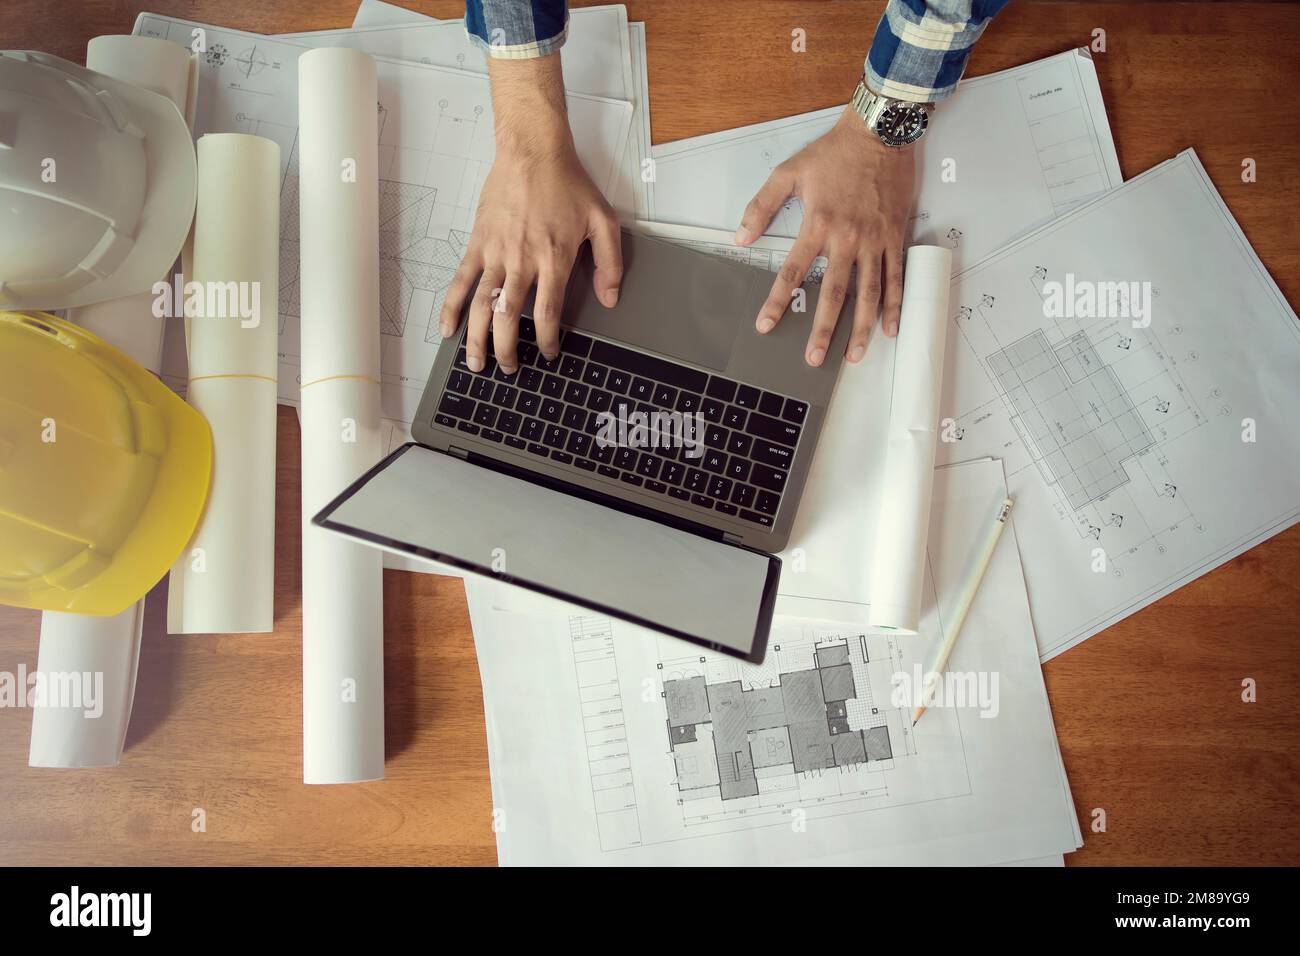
(921, 46)
(517, 29)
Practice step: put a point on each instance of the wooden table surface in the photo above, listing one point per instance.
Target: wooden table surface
(1149, 713)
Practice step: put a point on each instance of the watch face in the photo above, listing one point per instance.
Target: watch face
(901, 123)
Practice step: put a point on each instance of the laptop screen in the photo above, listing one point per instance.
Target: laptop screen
(440, 507)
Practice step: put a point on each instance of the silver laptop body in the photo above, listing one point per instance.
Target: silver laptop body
(514, 477)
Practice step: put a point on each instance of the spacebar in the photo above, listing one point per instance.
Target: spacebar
(641, 364)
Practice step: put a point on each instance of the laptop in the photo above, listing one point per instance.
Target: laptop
(650, 472)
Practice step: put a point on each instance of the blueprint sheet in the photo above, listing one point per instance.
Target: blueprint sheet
(1007, 152)
(604, 55)
(610, 744)
(436, 146)
(1140, 457)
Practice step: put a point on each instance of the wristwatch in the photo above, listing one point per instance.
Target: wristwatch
(897, 122)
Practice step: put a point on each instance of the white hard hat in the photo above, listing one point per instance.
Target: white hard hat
(97, 184)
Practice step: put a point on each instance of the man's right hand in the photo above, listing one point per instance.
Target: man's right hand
(537, 207)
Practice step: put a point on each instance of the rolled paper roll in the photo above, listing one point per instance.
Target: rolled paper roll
(167, 68)
(898, 566)
(88, 667)
(224, 583)
(342, 582)
(109, 647)
(342, 593)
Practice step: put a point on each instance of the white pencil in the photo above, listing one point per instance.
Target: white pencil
(964, 601)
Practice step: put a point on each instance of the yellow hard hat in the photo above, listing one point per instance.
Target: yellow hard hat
(104, 472)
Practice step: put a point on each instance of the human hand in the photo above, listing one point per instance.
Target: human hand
(856, 193)
(536, 208)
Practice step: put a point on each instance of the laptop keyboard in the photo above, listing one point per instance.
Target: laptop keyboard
(552, 410)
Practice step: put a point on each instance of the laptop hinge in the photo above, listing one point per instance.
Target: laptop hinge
(458, 452)
(729, 537)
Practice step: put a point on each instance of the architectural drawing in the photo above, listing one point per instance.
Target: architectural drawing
(681, 742)
(810, 720)
(1088, 403)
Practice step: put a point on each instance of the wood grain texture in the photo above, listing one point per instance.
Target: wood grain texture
(1149, 713)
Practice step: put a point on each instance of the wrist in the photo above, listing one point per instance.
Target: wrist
(894, 123)
(528, 106)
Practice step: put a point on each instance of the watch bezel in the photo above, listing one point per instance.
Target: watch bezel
(872, 107)
(887, 137)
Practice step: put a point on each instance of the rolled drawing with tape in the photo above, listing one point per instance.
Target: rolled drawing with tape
(342, 581)
(225, 582)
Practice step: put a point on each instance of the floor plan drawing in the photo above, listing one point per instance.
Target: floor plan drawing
(1088, 403)
(812, 724)
(734, 738)
(1079, 422)
(740, 745)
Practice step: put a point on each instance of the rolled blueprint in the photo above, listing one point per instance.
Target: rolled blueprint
(162, 67)
(224, 582)
(108, 648)
(342, 582)
(88, 667)
(898, 568)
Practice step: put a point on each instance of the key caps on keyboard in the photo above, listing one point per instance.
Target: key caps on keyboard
(736, 468)
(552, 386)
(575, 343)
(722, 389)
(770, 404)
(575, 417)
(575, 393)
(688, 403)
(555, 436)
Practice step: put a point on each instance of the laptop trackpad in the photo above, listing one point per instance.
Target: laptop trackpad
(437, 506)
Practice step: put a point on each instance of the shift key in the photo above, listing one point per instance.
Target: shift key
(773, 429)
